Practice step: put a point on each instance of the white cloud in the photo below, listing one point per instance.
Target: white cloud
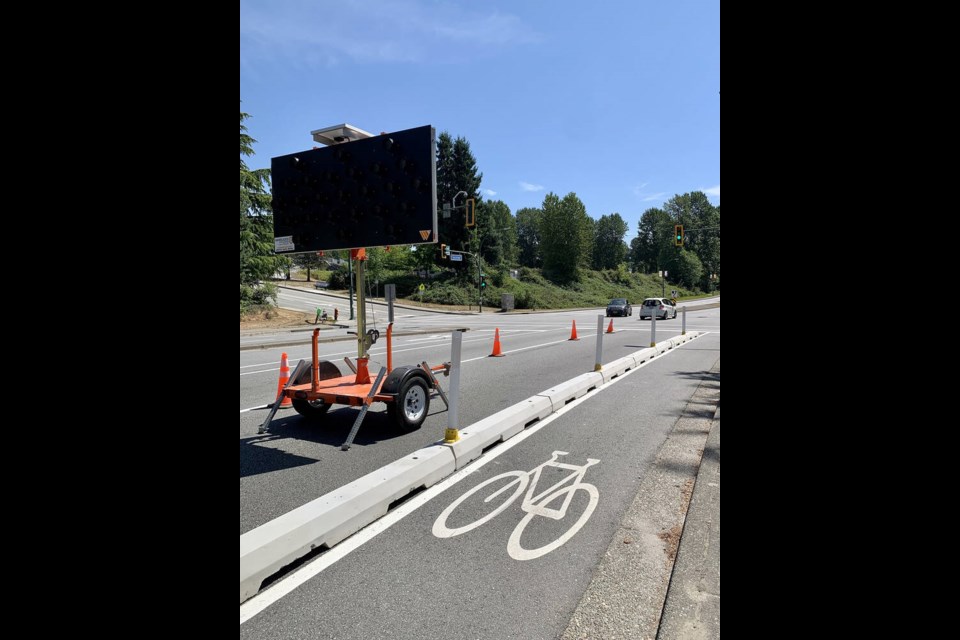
(327, 33)
(712, 191)
(655, 196)
(490, 192)
(526, 186)
(638, 190)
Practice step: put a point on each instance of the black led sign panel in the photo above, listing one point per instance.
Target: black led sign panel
(367, 193)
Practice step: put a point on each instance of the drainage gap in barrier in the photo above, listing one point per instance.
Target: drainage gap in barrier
(591, 389)
(532, 422)
(568, 400)
(399, 501)
(491, 446)
(293, 566)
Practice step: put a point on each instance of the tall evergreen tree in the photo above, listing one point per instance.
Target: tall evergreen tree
(456, 171)
(257, 259)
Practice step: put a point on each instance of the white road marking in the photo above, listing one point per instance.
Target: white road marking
(441, 342)
(275, 592)
(263, 406)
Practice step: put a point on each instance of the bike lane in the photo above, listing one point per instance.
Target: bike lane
(407, 582)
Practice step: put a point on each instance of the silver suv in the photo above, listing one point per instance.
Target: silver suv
(659, 306)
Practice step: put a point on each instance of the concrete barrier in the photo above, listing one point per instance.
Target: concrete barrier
(572, 389)
(616, 368)
(644, 355)
(334, 516)
(498, 427)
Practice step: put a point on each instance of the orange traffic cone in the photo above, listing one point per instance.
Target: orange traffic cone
(496, 345)
(573, 332)
(610, 328)
(284, 376)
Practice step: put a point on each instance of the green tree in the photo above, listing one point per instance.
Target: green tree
(694, 211)
(566, 237)
(309, 261)
(650, 249)
(456, 171)
(528, 237)
(497, 231)
(685, 267)
(257, 259)
(401, 258)
(609, 249)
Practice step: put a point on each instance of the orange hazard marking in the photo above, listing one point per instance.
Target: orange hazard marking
(425, 234)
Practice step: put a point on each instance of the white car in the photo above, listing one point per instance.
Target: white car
(659, 306)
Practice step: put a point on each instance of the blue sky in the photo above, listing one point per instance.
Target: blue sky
(615, 100)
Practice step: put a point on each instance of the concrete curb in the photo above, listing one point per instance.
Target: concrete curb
(332, 517)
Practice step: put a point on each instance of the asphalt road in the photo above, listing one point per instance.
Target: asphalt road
(406, 576)
(299, 461)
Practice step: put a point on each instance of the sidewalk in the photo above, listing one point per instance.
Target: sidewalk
(692, 609)
(660, 576)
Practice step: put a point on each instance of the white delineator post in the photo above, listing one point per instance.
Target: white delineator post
(453, 420)
(597, 366)
(653, 327)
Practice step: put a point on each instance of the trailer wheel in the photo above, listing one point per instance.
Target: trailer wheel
(310, 409)
(412, 404)
(314, 409)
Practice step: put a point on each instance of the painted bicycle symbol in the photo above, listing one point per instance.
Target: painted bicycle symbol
(534, 504)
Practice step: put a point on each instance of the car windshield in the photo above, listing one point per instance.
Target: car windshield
(618, 301)
(651, 303)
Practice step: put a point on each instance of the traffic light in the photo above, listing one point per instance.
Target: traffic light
(678, 235)
(483, 280)
(471, 212)
(443, 251)
(446, 252)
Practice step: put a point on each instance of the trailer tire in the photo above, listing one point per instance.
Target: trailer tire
(412, 404)
(310, 409)
(314, 409)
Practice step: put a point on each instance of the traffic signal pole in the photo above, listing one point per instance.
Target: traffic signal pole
(479, 276)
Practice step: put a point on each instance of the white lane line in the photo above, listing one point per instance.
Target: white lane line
(441, 342)
(261, 601)
(263, 406)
